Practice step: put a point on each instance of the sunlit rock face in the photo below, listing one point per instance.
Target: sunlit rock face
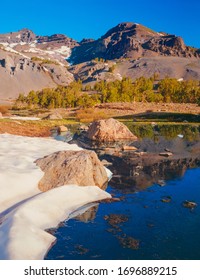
(109, 130)
(82, 168)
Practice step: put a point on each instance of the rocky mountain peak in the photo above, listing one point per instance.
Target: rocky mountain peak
(132, 40)
(122, 27)
(24, 35)
(129, 29)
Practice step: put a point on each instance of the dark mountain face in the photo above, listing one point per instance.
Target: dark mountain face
(133, 41)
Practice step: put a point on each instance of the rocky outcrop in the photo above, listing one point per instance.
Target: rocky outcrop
(109, 130)
(131, 40)
(57, 39)
(25, 35)
(169, 45)
(82, 168)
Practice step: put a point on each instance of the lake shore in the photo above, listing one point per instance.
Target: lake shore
(138, 110)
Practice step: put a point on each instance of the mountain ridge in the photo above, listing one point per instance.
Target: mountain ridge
(29, 61)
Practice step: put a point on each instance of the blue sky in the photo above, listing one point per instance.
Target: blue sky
(91, 19)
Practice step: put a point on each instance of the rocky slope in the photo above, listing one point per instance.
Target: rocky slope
(20, 74)
(130, 40)
(28, 61)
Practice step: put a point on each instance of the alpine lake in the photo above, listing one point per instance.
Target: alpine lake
(155, 214)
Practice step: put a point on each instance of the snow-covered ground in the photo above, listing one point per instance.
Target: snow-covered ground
(25, 212)
(24, 118)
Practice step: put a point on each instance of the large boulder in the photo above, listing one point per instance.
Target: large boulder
(82, 168)
(109, 130)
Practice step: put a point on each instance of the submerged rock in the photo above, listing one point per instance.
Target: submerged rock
(82, 168)
(129, 242)
(109, 130)
(116, 219)
(166, 199)
(189, 204)
(129, 148)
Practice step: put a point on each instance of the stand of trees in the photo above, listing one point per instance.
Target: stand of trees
(142, 89)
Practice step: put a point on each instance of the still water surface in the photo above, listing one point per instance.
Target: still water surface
(141, 225)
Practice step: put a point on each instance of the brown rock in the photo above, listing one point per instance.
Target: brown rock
(129, 242)
(189, 204)
(62, 128)
(82, 168)
(109, 130)
(166, 154)
(83, 127)
(129, 148)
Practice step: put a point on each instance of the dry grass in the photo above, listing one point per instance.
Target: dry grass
(23, 129)
(4, 109)
(90, 115)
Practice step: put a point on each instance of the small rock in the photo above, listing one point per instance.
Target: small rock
(115, 219)
(140, 153)
(81, 250)
(161, 183)
(83, 127)
(165, 154)
(189, 204)
(129, 242)
(62, 128)
(129, 148)
(166, 199)
(180, 135)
